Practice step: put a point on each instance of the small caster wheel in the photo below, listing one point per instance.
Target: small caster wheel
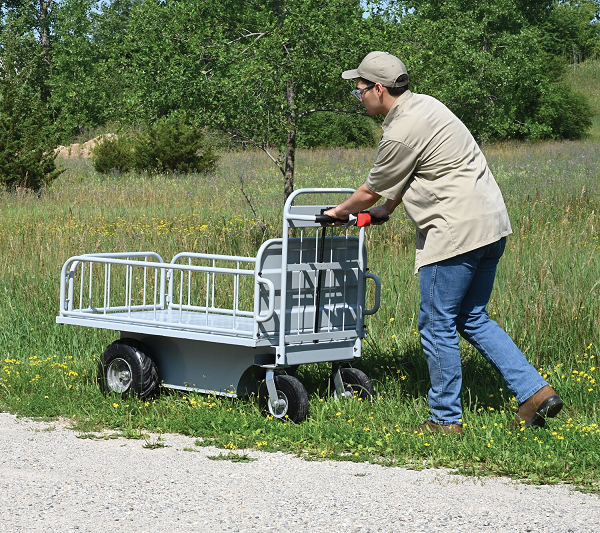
(356, 384)
(126, 369)
(293, 399)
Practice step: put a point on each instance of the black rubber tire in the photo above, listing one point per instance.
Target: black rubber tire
(355, 381)
(290, 389)
(140, 376)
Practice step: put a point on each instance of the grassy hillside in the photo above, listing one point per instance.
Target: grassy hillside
(585, 78)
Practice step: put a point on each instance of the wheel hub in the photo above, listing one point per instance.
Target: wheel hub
(282, 405)
(118, 375)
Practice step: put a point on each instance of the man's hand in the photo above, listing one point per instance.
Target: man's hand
(332, 213)
(362, 198)
(381, 211)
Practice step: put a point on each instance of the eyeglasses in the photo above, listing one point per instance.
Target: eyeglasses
(359, 92)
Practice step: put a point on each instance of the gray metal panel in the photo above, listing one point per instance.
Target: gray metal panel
(340, 293)
(183, 319)
(321, 352)
(203, 366)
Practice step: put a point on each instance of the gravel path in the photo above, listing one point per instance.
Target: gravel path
(50, 480)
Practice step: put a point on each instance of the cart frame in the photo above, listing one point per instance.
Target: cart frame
(307, 306)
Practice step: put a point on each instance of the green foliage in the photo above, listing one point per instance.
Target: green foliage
(113, 154)
(27, 157)
(331, 130)
(585, 78)
(563, 114)
(81, 89)
(172, 145)
(572, 30)
(258, 70)
(484, 60)
(167, 145)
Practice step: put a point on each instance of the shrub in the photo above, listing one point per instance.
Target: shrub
(567, 114)
(113, 154)
(173, 145)
(27, 157)
(169, 145)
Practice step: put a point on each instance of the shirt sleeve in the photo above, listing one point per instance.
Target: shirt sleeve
(393, 169)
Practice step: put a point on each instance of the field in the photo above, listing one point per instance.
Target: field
(547, 297)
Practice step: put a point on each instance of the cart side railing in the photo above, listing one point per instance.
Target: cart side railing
(123, 287)
(87, 298)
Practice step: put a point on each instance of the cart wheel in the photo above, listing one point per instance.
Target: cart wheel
(126, 369)
(293, 394)
(356, 382)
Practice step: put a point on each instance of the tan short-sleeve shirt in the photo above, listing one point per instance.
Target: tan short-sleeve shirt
(429, 157)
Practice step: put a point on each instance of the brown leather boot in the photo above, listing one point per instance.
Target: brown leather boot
(432, 427)
(545, 403)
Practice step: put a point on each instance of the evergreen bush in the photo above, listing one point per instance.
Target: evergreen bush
(27, 156)
(170, 144)
(113, 154)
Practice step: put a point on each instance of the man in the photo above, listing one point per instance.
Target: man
(429, 161)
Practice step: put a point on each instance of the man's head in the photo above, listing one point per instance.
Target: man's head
(380, 79)
(380, 67)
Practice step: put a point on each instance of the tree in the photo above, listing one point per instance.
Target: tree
(253, 70)
(34, 19)
(282, 61)
(484, 60)
(76, 84)
(26, 140)
(572, 30)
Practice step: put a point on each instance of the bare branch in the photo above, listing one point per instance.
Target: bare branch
(266, 151)
(259, 36)
(261, 224)
(328, 110)
(261, 146)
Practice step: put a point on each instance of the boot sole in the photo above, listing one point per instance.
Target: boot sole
(549, 409)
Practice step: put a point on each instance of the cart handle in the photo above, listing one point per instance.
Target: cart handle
(360, 220)
(377, 281)
(271, 308)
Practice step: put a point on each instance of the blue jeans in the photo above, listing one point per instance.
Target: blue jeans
(454, 295)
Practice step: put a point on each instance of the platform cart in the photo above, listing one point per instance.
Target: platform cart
(221, 324)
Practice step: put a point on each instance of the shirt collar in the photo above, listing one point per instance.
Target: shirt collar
(397, 108)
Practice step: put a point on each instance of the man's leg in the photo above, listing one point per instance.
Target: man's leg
(443, 286)
(488, 337)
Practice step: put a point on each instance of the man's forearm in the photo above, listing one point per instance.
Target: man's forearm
(390, 205)
(361, 199)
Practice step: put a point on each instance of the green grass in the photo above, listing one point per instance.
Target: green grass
(546, 296)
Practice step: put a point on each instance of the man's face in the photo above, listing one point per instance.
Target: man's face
(369, 97)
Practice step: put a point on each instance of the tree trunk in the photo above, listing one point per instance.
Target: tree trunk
(44, 22)
(290, 148)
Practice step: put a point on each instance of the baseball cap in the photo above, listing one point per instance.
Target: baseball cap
(379, 67)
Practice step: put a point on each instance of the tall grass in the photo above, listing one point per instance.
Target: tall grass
(547, 297)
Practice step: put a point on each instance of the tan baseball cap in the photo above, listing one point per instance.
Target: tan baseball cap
(379, 67)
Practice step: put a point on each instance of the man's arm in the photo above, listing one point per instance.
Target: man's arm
(361, 199)
(386, 209)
